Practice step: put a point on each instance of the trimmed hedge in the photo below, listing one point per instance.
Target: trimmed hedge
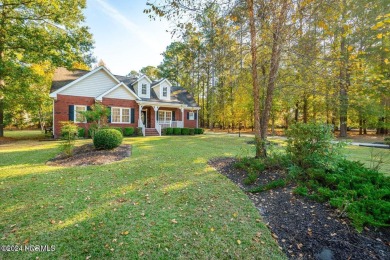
(128, 131)
(119, 129)
(185, 131)
(192, 131)
(107, 139)
(81, 132)
(169, 131)
(176, 131)
(199, 131)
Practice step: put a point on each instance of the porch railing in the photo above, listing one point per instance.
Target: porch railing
(165, 124)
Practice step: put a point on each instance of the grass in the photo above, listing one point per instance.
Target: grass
(163, 202)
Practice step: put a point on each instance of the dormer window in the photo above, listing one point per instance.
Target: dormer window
(165, 91)
(143, 91)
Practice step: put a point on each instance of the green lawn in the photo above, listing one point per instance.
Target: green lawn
(163, 202)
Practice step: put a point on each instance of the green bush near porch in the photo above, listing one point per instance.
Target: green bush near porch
(185, 131)
(176, 131)
(168, 131)
(81, 132)
(128, 131)
(192, 131)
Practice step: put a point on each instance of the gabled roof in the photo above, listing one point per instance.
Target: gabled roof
(117, 86)
(158, 82)
(54, 93)
(63, 77)
(182, 95)
(142, 77)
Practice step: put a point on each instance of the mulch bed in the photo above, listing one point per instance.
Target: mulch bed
(306, 229)
(88, 155)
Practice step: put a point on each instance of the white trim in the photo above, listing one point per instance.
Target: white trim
(165, 116)
(54, 94)
(120, 115)
(162, 82)
(143, 76)
(161, 104)
(189, 115)
(53, 124)
(75, 113)
(100, 98)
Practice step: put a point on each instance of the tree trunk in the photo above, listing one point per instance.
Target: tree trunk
(296, 114)
(255, 83)
(305, 109)
(343, 77)
(277, 38)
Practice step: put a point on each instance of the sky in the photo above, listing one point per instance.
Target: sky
(125, 38)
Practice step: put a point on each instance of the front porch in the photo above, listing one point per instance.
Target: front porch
(156, 117)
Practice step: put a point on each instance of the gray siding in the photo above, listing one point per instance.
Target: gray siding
(92, 86)
(120, 93)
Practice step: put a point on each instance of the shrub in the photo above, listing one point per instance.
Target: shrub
(168, 131)
(309, 145)
(128, 131)
(185, 131)
(252, 166)
(138, 131)
(192, 131)
(199, 131)
(81, 132)
(362, 193)
(269, 186)
(119, 129)
(107, 139)
(176, 131)
(69, 131)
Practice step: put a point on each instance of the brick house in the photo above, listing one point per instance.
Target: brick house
(133, 102)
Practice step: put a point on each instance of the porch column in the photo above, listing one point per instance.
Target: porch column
(182, 116)
(197, 118)
(140, 123)
(155, 115)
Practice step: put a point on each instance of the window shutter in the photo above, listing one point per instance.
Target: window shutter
(88, 109)
(71, 113)
(188, 115)
(132, 116)
(109, 115)
(173, 116)
(195, 115)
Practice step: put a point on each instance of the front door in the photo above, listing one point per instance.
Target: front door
(144, 117)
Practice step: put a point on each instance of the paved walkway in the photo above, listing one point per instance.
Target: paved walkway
(285, 138)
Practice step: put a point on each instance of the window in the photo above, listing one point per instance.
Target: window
(120, 115)
(78, 117)
(165, 91)
(164, 116)
(191, 116)
(143, 91)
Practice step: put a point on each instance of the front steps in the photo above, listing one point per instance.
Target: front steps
(151, 132)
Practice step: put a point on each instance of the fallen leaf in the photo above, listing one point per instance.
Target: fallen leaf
(274, 236)
(239, 242)
(25, 242)
(125, 233)
(212, 229)
(52, 221)
(174, 221)
(333, 234)
(299, 246)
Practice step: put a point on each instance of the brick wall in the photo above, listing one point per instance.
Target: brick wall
(189, 123)
(61, 110)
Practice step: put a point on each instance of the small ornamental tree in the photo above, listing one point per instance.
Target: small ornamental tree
(97, 116)
(69, 132)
